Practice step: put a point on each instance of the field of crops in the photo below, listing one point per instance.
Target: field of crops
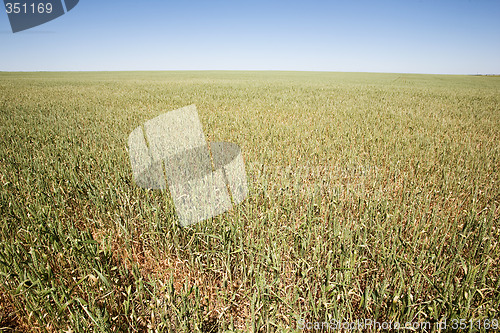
(372, 196)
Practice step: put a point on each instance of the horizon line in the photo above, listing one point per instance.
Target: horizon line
(240, 70)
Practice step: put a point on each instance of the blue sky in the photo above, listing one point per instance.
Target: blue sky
(405, 36)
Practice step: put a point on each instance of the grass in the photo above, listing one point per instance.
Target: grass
(372, 196)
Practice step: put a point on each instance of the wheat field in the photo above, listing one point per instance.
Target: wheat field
(371, 196)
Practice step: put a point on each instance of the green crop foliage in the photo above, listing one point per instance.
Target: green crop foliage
(372, 196)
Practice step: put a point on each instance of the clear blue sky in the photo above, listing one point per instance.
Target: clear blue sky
(403, 36)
